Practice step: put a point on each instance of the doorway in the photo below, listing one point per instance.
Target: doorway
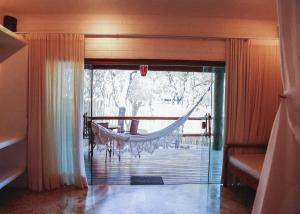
(169, 89)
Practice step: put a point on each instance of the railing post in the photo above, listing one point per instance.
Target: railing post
(209, 125)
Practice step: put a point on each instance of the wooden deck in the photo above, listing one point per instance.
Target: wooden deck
(189, 165)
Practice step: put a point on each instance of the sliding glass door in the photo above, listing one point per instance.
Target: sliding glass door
(156, 100)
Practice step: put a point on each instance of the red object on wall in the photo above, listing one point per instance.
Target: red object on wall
(143, 70)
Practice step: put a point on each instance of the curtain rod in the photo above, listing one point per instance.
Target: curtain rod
(154, 36)
(142, 36)
(157, 36)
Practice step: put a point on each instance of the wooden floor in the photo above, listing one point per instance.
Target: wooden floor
(188, 165)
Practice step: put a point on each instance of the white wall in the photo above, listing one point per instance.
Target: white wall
(13, 94)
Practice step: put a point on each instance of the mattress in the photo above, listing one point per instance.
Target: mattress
(248, 163)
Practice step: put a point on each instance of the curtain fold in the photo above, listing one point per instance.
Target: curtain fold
(279, 186)
(264, 87)
(253, 86)
(55, 153)
(236, 80)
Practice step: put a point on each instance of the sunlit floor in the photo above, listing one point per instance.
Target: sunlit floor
(125, 199)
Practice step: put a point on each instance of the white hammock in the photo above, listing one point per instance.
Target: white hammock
(164, 138)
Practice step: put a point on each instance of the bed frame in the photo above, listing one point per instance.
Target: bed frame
(241, 175)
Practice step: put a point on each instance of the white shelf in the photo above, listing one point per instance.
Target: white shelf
(10, 43)
(8, 141)
(8, 175)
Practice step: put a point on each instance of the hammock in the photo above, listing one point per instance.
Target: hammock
(164, 138)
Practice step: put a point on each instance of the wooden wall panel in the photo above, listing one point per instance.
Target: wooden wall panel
(179, 49)
(149, 25)
(170, 28)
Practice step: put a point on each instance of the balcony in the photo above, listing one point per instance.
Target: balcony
(193, 162)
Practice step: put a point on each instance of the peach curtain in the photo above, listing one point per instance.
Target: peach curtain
(236, 80)
(253, 86)
(55, 153)
(279, 186)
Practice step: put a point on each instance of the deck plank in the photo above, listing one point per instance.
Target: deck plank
(176, 166)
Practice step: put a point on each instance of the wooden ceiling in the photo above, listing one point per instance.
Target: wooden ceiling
(243, 9)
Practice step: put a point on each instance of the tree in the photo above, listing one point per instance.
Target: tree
(113, 89)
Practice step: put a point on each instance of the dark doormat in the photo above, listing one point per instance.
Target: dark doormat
(146, 180)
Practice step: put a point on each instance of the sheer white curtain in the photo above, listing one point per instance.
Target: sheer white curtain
(279, 186)
(55, 153)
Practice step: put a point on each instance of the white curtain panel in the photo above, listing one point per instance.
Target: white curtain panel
(279, 186)
(55, 150)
